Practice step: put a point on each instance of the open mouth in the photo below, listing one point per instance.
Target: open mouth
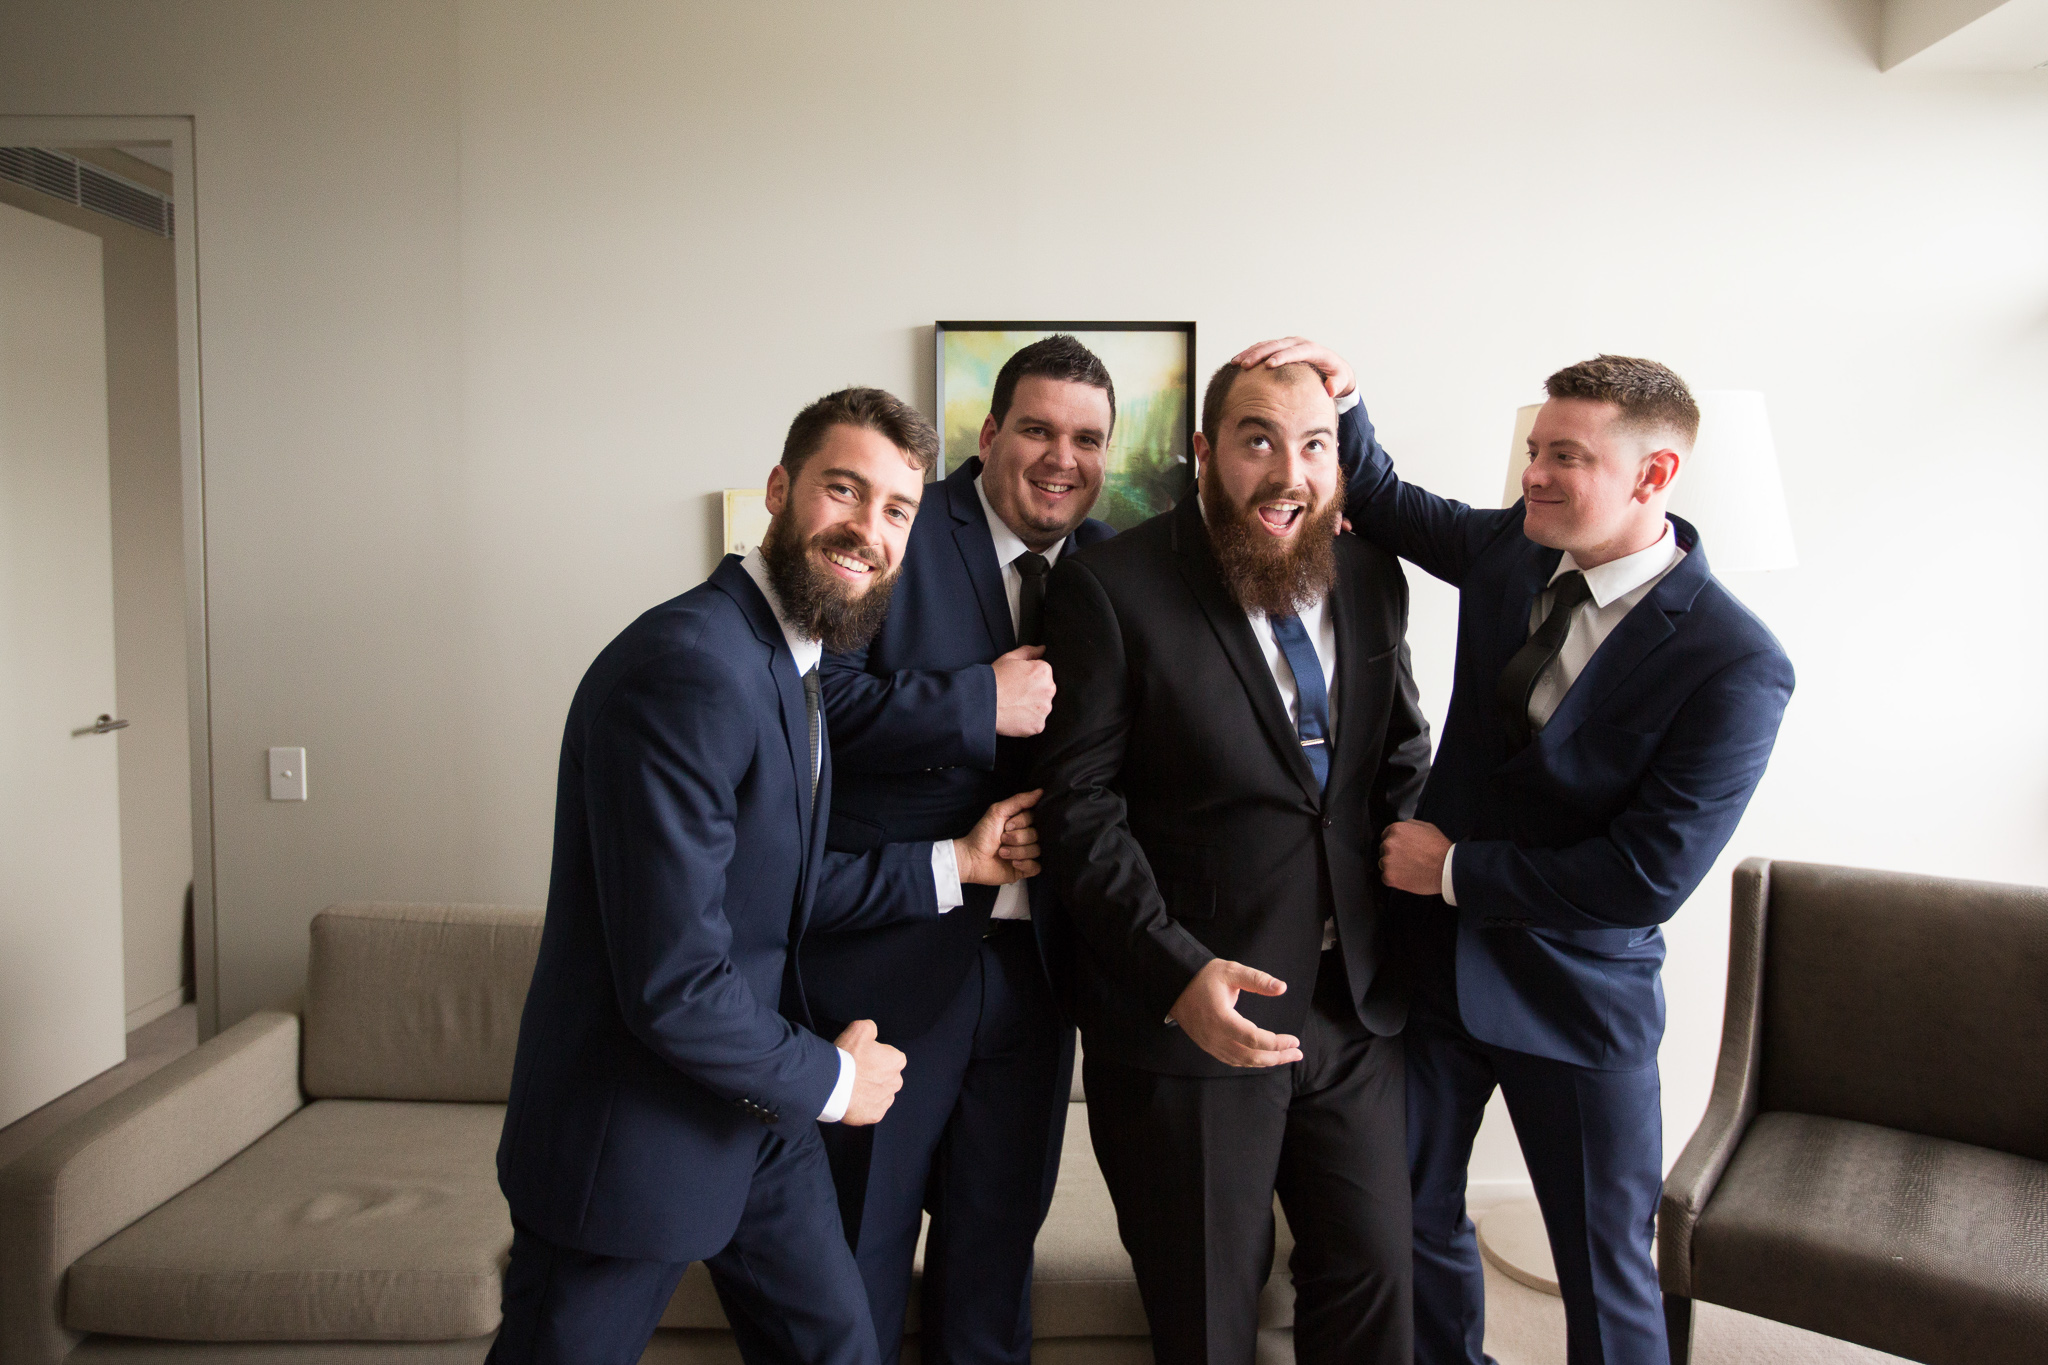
(1050, 488)
(1281, 516)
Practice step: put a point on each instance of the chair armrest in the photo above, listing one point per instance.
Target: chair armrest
(112, 1165)
(1733, 1102)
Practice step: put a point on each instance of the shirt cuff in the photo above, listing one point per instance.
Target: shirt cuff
(1349, 400)
(946, 875)
(842, 1093)
(1450, 894)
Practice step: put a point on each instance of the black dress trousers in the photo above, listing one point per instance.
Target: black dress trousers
(1192, 1164)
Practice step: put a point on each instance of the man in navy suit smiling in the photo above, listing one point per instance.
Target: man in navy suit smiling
(933, 720)
(667, 1090)
(1613, 710)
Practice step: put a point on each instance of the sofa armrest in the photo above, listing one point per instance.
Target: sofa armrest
(114, 1164)
(1733, 1102)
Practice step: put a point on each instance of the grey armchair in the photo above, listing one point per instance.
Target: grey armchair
(1873, 1164)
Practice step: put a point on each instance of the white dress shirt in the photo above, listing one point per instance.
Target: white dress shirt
(945, 868)
(1616, 587)
(1012, 901)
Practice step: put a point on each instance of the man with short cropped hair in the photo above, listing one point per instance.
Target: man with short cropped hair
(930, 720)
(1613, 710)
(664, 1109)
(1235, 725)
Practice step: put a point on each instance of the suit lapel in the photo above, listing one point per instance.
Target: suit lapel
(1648, 625)
(738, 584)
(1350, 719)
(1240, 646)
(978, 553)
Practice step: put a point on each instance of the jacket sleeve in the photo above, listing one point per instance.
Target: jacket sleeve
(892, 884)
(1655, 853)
(1437, 535)
(666, 751)
(1404, 765)
(909, 720)
(1097, 870)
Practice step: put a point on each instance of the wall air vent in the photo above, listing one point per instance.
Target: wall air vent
(89, 187)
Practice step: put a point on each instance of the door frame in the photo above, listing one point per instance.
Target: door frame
(179, 132)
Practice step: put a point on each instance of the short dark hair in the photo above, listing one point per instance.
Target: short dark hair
(1218, 393)
(1058, 356)
(875, 410)
(1651, 397)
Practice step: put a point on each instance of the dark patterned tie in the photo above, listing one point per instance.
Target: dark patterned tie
(1312, 694)
(1518, 679)
(1031, 598)
(811, 713)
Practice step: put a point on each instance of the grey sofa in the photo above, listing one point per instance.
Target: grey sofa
(1873, 1164)
(321, 1190)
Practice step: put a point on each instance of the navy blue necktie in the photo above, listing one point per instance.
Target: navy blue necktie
(1312, 695)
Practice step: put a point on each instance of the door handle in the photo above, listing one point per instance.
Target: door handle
(105, 725)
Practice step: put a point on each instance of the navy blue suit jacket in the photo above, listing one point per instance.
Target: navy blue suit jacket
(914, 726)
(687, 865)
(1572, 851)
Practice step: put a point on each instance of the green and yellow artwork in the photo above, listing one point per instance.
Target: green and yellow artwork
(1148, 465)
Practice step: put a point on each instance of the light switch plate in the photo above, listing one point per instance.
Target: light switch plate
(287, 774)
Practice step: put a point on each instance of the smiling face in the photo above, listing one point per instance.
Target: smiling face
(837, 533)
(1594, 486)
(1271, 489)
(1042, 468)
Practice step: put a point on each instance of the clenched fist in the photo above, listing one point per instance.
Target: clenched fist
(1024, 691)
(877, 1073)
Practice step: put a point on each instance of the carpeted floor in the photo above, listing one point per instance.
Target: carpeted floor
(1525, 1327)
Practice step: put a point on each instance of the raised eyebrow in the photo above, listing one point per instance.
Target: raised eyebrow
(1319, 431)
(1252, 419)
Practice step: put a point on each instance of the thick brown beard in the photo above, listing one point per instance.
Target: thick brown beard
(1278, 579)
(814, 600)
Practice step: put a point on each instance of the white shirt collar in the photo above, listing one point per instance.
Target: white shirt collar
(1620, 576)
(1008, 544)
(805, 652)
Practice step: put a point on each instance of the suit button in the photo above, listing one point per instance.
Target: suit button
(1327, 822)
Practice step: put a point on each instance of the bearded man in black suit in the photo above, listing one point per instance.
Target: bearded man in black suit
(1235, 725)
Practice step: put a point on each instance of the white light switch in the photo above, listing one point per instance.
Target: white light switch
(287, 774)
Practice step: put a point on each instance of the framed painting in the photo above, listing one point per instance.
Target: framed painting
(1149, 463)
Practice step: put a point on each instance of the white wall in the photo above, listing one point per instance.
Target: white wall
(496, 296)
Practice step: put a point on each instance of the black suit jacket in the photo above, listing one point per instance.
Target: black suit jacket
(913, 719)
(1181, 822)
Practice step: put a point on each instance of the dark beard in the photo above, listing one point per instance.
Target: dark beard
(1261, 574)
(813, 599)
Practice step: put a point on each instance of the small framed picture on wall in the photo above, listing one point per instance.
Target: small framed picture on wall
(1149, 463)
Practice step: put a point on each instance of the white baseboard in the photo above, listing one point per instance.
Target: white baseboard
(155, 1009)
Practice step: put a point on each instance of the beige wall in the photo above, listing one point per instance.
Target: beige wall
(496, 296)
(149, 585)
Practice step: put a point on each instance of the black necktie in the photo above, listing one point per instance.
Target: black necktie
(1311, 693)
(811, 714)
(1031, 599)
(1518, 679)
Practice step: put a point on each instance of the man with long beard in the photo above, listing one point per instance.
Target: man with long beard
(663, 1108)
(1235, 724)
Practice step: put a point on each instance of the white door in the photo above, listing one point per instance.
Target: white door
(60, 815)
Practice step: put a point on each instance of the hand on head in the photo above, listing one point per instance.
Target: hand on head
(1207, 1012)
(1003, 845)
(1337, 376)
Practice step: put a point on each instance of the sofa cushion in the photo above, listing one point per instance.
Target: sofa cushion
(1081, 1286)
(352, 1220)
(416, 1002)
(1922, 1247)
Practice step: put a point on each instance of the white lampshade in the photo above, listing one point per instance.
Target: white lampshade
(1729, 488)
